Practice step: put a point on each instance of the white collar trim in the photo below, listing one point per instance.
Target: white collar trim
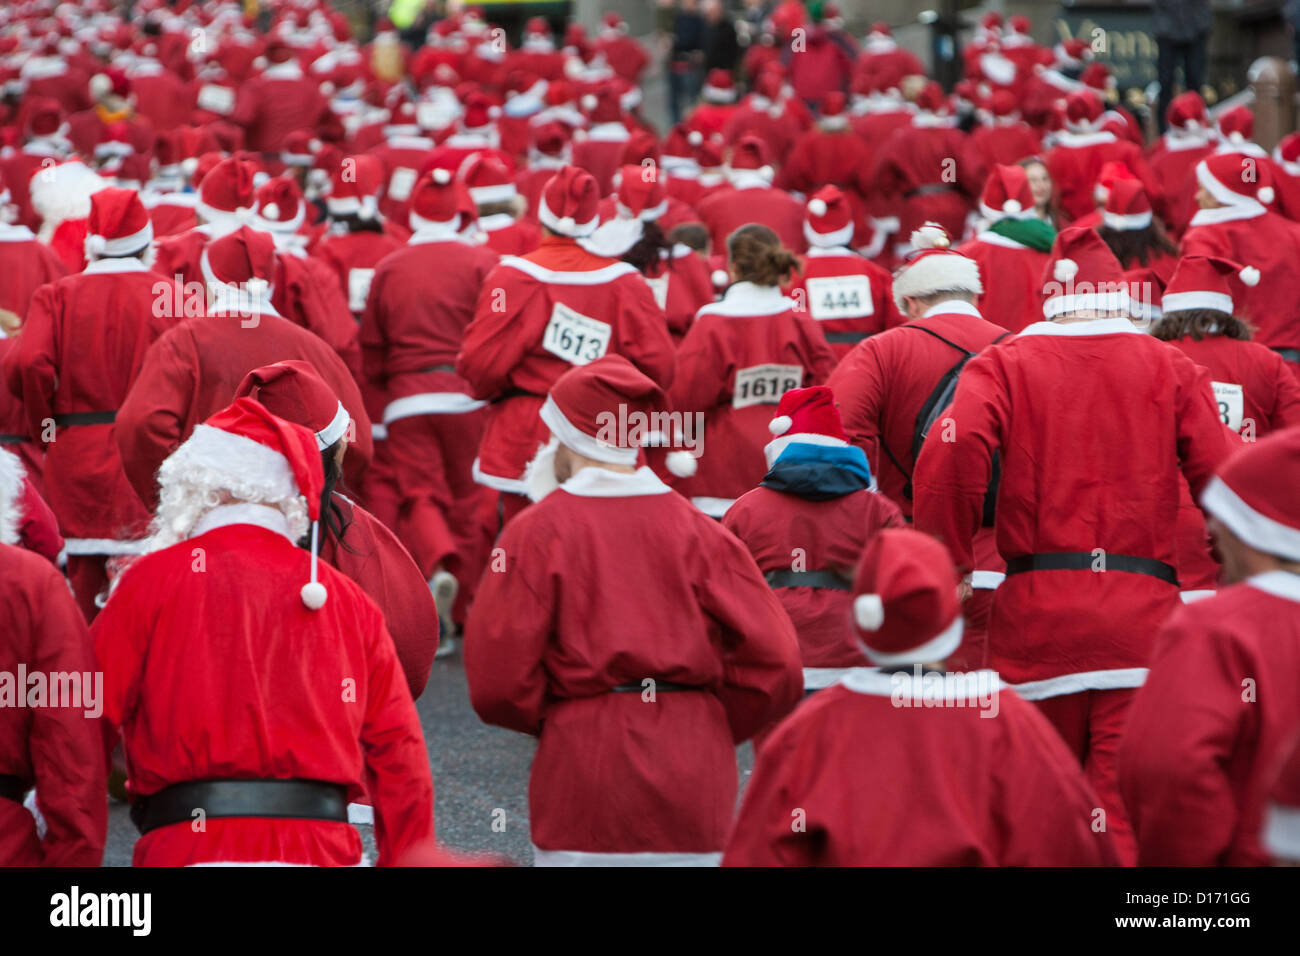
(1089, 327)
(952, 307)
(111, 266)
(594, 482)
(748, 299)
(1247, 209)
(1282, 584)
(243, 512)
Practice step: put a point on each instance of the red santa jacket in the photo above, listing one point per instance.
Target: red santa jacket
(193, 370)
(1173, 166)
(788, 533)
(730, 207)
(43, 745)
(1090, 470)
(1075, 163)
(161, 96)
(82, 345)
(741, 355)
(276, 103)
(170, 213)
(253, 686)
(850, 297)
(1206, 733)
(1000, 144)
(18, 172)
(599, 151)
(1012, 276)
(776, 128)
(710, 119)
(615, 774)
(682, 285)
(536, 317)
(1269, 242)
(352, 257)
(508, 236)
(932, 786)
(402, 157)
(821, 158)
(29, 264)
(305, 293)
(926, 165)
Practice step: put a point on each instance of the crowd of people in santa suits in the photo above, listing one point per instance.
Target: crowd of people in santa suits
(942, 444)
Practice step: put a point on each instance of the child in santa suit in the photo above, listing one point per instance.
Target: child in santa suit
(741, 355)
(1254, 388)
(82, 345)
(676, 274)
(1208, 731)
(850, 297)
(243, 665)
(806, 525)
(1011, 250)
(422, 299)
(1234, 222)
(1087, 502)
(905, 764)
(541, 314)
(638, 695)
(57, 750)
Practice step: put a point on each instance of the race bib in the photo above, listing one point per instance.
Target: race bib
(574, 337)
(217, 99)
(840, 297)
(401, 183)
(359, 288)
(764, 384)
(1232, 405)
(433, 115)
(659, 287)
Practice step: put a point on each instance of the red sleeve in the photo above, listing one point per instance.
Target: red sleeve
(644, 337)
(764, 834)
(858, 384)
(1286, 395)
(1202, 440)
(31, 366)
(374, 344)
(66, 747)
(498, 337)
(1185, 725)
(39, 529)
(703, 368)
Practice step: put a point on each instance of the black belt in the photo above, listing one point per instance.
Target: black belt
(930, 189)
(438, 368)
(280, 799)
(84, 418)
(13, 439)
(846, 338)
(828, 580)
(658, 686)
(1084, 561)
(12, 788)
(1289, 355)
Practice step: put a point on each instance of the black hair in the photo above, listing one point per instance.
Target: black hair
(645, 251)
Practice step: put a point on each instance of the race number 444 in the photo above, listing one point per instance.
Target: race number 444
(574, 337)
(839, 297)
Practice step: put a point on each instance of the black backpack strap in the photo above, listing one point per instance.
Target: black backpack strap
(951, 344)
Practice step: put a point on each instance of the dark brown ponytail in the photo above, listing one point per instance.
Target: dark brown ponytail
(757, 256)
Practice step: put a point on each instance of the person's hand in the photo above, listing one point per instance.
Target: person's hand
(964, 590)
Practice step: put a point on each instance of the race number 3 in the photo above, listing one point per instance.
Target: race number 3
(840, 297)
(764, 384)
(1232, 405)
(574, 337)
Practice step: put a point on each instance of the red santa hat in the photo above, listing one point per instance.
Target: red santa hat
(119, 224)
(488, 179)
(1127, 207)
(239, 269)
(611, 21)
(1235, 180)
(905, 599)
(806, 415)
(111, 82)
(1253, 494)
(1206, 282)
(1187, 112)
(228, 190)
(299, 148)
(569, 203)
(832, 109)
(1287, 154)
(1082, 273)
(1007, 194)
(1020, 25)
(1004, 105)
(280, 207)
(935, 267)
(438, 199)
(1072, 53)
(750, 155)
(293, 390)
(602, 104)
(1237, 125)
(719, 87)
(642, 148)
(247, 442)
(278, 51)
(641, 193)
(551, 139)
(44, 116)
(585, 405)
(931, 99)
(1111, 173)
(355, 182)
(479, 114)
(828, 219)
(1083, 110)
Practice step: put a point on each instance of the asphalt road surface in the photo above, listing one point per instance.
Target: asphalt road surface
(477, 771)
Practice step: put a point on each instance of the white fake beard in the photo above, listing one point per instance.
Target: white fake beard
(539, 476)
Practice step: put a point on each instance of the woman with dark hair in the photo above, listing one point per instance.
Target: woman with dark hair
(741, 355)
(1138, 240)
(676, 274)
(1254, 386)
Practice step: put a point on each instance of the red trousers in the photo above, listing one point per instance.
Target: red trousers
(88, 577)
(1092, 723)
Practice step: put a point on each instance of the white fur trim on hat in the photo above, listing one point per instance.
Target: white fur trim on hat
(122, 245)
(1265, 194)
(931, 236)
(442, 176)
(720, 278)
(567, 225)
(949, 272)
(1211, 301)
(1065, 270)
(1253, 528)
(1249, 275)
(482, 195)
(587, 446)
(1126, 223)
(935, 649)
(313, 595)
(827, 240)
(335, 430)
(868, 611)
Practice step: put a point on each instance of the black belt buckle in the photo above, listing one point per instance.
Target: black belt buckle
(254, 797)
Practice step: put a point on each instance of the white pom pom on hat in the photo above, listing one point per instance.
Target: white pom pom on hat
(817, 207)
(1249, 276)
(868, 611)
(931, 236)
(720, 278)
(695, 138)
(1012, 206)
(1236, 137)
(314, 595)
(1265, 194)
(681, 463)
(780, 425)
(95, 245)
(271, 211)
(767, 172)
(442, 176)
(1065, 270)
(589, 102)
